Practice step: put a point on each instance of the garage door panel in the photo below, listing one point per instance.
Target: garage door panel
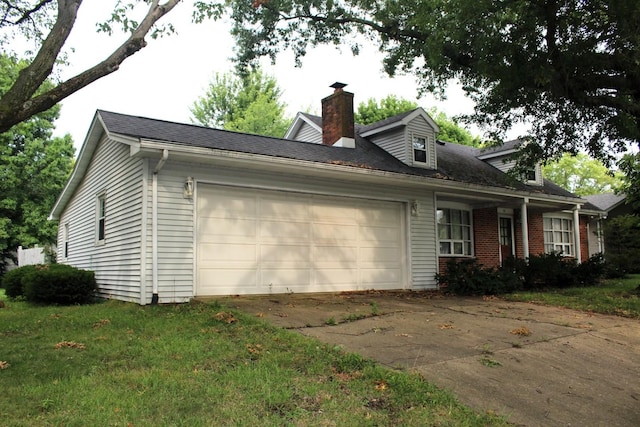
(261, 241)
(335, 254)
(334, 233)
(286, 276)
(225, 229)
(282, 209)
(290, 230)
(227, 252)
(377, 254)
(284, 253)
(336, 276)
(211, 278)
(379, 234)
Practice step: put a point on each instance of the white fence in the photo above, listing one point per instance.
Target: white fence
(31, 256)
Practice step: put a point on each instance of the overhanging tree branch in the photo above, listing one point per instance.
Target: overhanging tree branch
(19, 103)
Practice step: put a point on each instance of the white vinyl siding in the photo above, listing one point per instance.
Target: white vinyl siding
(506, 163)
(423, 243)
(116, 263)
(393, 143)
(308, 133)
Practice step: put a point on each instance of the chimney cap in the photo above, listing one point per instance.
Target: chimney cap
(337, 85)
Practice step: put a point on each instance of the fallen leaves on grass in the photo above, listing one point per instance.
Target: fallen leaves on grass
(381, 385)
(3, 365)
(522, 331)
(69, 344)
(254, 348)
(101, 323)
(225, 317)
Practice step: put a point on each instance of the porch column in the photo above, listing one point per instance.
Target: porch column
(576, 232)
(525, 228)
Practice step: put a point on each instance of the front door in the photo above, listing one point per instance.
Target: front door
(506, 238)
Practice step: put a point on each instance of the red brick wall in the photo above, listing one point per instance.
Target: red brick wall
(584, 236)
(486, 236)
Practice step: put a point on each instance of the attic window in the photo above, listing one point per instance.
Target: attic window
(419, 149)
(530, 174)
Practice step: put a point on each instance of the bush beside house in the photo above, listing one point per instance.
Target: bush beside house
(51, 284)
(545, 271)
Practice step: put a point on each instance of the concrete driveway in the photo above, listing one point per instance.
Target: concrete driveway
(535, 365)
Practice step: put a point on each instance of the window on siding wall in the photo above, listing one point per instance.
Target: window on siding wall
(454, 232)
(558, 235)
(420, 149)
(65, 240)
(100, 218)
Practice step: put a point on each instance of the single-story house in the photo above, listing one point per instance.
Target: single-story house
(164, 212)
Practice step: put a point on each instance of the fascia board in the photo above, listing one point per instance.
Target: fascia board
(96, 130)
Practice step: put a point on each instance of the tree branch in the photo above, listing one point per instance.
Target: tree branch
(21, 104)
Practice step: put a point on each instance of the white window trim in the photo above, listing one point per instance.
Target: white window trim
(99, 198)
(460, 207)
(65, 241)
(428, 149)
(570, 231)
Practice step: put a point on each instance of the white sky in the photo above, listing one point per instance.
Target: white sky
(164, 79)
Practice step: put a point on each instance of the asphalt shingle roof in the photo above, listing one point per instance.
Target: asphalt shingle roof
(605, 201)
(455, 162)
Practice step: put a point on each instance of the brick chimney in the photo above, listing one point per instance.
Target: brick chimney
(337, 118)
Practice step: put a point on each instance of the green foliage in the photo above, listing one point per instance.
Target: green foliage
(12, 281)
(567, 69)
(582, 175)
(467, 276)
(451, 131)
(622, 239)
(371, 112)
(34, 167)
(630, 167)
(245, 103)
(59, 284)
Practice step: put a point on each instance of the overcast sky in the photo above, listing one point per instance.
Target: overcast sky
(164, 79)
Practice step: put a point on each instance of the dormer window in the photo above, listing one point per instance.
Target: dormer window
(419, 149)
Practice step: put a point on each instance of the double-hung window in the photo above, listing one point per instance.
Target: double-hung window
(101, 216)
(558, 235)
(454, 232)
(419, 149)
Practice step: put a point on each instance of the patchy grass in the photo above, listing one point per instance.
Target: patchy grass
(616, 296)
(196, 365)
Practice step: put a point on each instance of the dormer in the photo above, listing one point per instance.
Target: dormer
(504, 159)
(410, 137)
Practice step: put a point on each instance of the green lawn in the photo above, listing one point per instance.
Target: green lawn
(119, 364)
(616, 296)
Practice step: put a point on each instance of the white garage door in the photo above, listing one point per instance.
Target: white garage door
(255, 241)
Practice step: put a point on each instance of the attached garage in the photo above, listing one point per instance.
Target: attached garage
(261, 241)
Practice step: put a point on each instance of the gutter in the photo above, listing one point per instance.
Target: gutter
(154, 225)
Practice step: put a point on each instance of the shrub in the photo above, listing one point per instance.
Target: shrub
(590, 272)
(59, 284)
(549, 271)
(12, 281)
(468, 277)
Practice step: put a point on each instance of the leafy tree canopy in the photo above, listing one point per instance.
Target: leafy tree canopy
(246, 103)
(582, 175)
(34, 168)
(371, 111)
(450, 131)
(568, 68)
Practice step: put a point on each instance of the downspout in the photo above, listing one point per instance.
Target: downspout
(154, 225)
(599, 231)
(576, 233)
(525, 228)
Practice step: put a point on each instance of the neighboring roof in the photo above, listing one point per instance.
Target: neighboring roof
(606, 201)
(508, 147)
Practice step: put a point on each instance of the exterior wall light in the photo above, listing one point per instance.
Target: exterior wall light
(415, 208)
(188, 188)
